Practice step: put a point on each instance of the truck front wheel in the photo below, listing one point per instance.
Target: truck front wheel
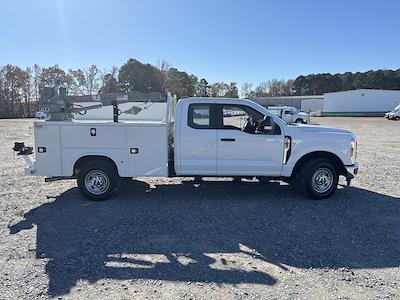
(98, 180)
(318, 178)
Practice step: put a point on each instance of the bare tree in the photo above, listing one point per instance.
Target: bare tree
(288, 88)
(218, 89)
(2, 92)
(247, 90)
(35, 81)
(77, 82)
(27, 93)
(54, 76)
(262, 90)
(109, 81)
(163, 67)
(92, 80)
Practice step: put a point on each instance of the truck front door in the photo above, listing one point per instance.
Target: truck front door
(287, 116)
(242, 148)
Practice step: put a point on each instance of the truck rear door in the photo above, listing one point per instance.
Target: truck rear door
(197, 140)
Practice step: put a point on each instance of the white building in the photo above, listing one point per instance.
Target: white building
(293, 101)
(361, 101)
(367, 102)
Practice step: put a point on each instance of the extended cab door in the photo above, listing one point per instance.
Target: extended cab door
(242, 148)
(197, 154)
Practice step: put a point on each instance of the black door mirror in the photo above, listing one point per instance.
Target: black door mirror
(267, 125)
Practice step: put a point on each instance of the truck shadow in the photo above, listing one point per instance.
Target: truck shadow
(222, 233)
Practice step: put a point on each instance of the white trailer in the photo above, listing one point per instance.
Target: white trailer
(312, 105)
(361, 101)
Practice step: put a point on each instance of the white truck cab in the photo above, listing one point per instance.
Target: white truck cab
(195, 137)
(290, 114)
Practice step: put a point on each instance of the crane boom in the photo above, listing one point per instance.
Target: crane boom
(60, 106)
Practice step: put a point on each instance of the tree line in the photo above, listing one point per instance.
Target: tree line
(19, 87)
(317, 84)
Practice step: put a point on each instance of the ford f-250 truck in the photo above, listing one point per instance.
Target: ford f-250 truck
(196, 137)
(290, 114)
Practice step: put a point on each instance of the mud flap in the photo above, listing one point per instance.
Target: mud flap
(349, 177)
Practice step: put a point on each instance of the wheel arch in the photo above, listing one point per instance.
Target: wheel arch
(337, 162)
(86, 158)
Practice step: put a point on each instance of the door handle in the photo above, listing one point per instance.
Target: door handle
(227, 140)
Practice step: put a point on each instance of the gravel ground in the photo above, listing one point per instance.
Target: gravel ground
(169, 238)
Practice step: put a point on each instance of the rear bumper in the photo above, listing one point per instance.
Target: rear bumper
(30, 168)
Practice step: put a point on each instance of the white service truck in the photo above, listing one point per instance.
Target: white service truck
(394, 114)
(290, 114)
(196, 137)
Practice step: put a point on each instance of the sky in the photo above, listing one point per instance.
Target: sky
(241, 41)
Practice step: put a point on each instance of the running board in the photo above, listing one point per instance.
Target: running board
(58, 178)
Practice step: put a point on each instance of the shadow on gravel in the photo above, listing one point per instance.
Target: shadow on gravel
(223, 233)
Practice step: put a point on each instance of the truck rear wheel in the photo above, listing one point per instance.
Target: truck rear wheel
(318, 178)
(98, 180)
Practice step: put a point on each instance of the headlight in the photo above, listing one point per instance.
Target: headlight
(353, 150)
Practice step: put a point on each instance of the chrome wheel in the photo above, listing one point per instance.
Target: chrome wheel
(322, 180)
(97, 182)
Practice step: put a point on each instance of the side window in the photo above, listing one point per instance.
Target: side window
(199, 116)
(241, 117)
(234, 117)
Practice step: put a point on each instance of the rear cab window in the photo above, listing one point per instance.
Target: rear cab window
(199, 116)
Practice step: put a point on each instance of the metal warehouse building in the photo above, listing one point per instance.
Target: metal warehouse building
(366, 102)
(361, 101)
(294, 101)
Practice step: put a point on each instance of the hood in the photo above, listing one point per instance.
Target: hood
(319, 129)
(302, 113)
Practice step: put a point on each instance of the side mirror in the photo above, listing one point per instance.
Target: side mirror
(267, 124)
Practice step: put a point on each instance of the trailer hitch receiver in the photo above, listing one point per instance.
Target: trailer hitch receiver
(21, 149)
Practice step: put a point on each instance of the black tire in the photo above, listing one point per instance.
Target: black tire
(98, 171)
(397, 118)
(308, 178)
(299, 121)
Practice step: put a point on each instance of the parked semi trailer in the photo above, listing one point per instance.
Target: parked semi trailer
(153, 135)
